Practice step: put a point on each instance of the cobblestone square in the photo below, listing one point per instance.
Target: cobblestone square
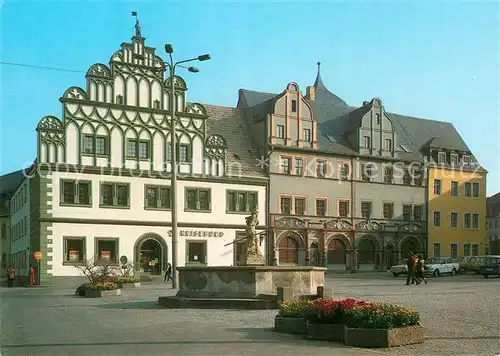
(461, 315)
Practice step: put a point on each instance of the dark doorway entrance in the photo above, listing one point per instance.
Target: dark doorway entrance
(151, 257)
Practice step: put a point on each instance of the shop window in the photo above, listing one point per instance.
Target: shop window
(74, 250)
(196, 252)
(106, 250)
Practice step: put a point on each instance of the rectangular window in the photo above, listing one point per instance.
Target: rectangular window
(343, 208)
(280, 131)
(377, 119)
(418, 212)
(106, 250)
(239, 248)
(285, 165)
(320, 207)
(285, 205)
(300, 206)
(388, 210)
(466, 250)
(454, 159)
(468, 190)
(475, 250)
(366, 209)
(320, 168)
(436, 219)
(388, 144)
(466, 160)
(344, 171)
(88, 144)
(407, 177)
(417, 177)
(144, 149)
(307, 135)
(441, 157)
(196, 252)
(157, 197)
(299, 166)
(454, 220)
(388, 174)
(183, 153)
(407, 212)
(454, 189)
(366, 172)
(76, 192)
(437, 187)
(74, 250)
(366, 142)
(131, 148)
(241, 201)
(467, 221)
(197, 199)
(115, 194)
(294, 105)
(437, 250)
(475, 190)
(454, 250)
(475, 221)
(101, 145)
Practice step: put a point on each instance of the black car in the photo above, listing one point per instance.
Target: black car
(490, 267)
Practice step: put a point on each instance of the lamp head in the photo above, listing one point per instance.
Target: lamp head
(204, 57)
(169, 49)
(193, 69)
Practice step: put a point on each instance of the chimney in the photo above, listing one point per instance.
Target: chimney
(311, 93)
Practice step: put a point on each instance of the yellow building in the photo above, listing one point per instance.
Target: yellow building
(456, 205)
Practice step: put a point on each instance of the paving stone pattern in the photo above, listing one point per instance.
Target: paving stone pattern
(461, 315)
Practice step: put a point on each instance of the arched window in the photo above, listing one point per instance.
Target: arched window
(288, 251)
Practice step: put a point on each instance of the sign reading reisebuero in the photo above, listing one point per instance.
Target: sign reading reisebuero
(198, 233)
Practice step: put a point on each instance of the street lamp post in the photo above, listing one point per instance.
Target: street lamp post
(173, 151)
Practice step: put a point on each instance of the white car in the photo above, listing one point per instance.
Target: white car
(440, 265)
(400, 268)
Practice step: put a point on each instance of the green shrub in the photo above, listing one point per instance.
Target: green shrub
(80, 291)
(102, 286)
(294, 308)
(126, 279)
(380, 316)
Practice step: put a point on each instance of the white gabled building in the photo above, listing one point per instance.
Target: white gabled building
(102, 175)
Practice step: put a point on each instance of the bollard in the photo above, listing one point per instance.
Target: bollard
(320, 292)
(280, 295)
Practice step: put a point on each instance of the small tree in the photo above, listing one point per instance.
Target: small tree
(97, 273)
(127, 270)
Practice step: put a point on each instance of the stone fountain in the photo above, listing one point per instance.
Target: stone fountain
(251, 285)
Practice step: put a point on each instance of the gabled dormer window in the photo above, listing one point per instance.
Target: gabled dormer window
(441, 157)
(454, 159)
(466, 160)
(388, 144)
(366, 142)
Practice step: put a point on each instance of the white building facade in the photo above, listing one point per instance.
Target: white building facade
(103, 172)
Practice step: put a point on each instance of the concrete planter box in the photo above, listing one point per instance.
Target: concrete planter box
(290, 325)
(129, 285)
(325, 332)
(383, 338)
(102, 293)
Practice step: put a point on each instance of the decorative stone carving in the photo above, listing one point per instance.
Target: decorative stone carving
(410, 227)
(75, 93)
(99, 70)
(216, 141)
(338, 224)
(50, 123)
(368, 225)
(196, 109)
(252, 255)
(289, 223)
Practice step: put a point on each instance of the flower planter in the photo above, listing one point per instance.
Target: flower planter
(290, 325)
(129, 285)
(102, 293)
(325, 332)
(382, 338)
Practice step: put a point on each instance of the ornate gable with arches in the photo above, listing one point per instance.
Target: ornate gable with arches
(123, 119)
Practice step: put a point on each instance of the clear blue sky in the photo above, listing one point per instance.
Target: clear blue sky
(432, 60)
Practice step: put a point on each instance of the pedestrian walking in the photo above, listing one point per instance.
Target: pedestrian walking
(411, 269)
(32, 276)
(421, 268)
(11, 276)
(168, 273)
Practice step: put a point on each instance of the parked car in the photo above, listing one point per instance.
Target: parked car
(475, 263)
(400, 268)
(491, 267)
(438, 266)
(463, 264)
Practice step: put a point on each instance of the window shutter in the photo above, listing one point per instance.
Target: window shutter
(101, 195)
(127, 197)
(228, 199)
(146, 196)
(209, 191)
(247, 201)
(115, 194)
(158, 197)
(189, 153)
(90, 193)
(61, 193)
(197, 198)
